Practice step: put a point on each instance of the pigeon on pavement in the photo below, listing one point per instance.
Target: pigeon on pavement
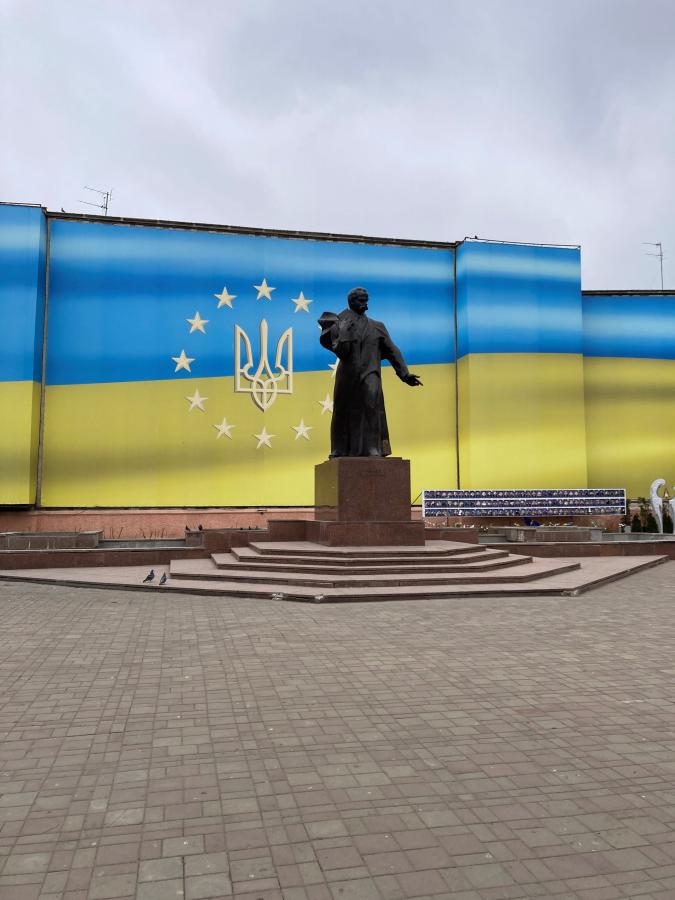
(149, 576)
(162, 580)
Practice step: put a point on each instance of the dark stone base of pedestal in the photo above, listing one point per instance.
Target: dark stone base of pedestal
(348, 534)
(366, 534)
(368, 489)
(363, 502)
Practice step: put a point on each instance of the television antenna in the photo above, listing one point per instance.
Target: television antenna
(659, 255)
(106, 197)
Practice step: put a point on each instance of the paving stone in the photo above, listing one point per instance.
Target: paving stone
(160, 869)
(203, 886)
(161, 890)
(107, 887)
(206, 864)
(182, 846)
(21, 863)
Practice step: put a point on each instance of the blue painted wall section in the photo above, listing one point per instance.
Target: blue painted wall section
(513, 298)
(118, 296)
(635, 326)
(23, 232)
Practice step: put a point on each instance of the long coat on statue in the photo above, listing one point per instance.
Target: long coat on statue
(359, 425)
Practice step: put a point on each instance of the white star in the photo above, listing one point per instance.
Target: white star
(182, 361)
(333, 367)
(224, 429)
(264, 290)
(225, 299)
(302, 430)
(196, 401)
(326, 405)
(301, 303)
(197, 323)
(264, 438)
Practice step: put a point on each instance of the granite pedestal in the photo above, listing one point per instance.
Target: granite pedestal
(364, 501)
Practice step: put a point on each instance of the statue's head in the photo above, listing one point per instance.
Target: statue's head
(358, 300)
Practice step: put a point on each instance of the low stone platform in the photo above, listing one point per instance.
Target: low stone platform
(305, 571)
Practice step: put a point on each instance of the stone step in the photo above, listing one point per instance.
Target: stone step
(475, 563)
(527, 571)
(300, 551)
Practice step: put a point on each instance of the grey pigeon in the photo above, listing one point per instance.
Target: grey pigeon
(162, 580)
(150, 576)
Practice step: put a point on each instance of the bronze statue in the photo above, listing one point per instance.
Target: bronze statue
(359, 425)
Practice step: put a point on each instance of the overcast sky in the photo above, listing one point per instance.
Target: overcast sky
(548, 121)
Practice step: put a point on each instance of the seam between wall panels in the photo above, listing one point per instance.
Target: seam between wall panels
(454, 313)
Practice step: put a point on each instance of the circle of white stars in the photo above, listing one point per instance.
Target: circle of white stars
(197, 401)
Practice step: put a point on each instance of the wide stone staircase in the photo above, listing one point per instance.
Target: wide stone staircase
(306, 571)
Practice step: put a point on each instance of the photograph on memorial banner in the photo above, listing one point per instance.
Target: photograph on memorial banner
(184, 366)
(22, 270)
(629, 376)
(520, 373)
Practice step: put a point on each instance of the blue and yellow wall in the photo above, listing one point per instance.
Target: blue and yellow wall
(125, 423)
(629, 388)
(520, 370)
(152, 392)
(23, 247)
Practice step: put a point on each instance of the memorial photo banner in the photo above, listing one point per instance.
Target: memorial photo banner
(530, 503)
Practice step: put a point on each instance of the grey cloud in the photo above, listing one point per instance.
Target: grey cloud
(523, 120)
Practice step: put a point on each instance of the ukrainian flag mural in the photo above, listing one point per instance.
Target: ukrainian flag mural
(520, 370)
(22, 274)
(184, 366)
(629, 376)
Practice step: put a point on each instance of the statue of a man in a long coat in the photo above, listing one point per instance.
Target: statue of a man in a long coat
(359, 425)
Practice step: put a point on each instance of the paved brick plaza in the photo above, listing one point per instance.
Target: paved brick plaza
(192, 747)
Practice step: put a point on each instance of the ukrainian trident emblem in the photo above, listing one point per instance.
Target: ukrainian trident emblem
(264, 384)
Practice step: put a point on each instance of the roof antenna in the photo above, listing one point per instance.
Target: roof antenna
(106, 197)
(659, 255)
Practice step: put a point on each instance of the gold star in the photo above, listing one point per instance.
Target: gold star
(182, 361)
(301, 303)
(264, 290)
(196, 401)
(225, 299)
(197, 323)
(224, 429)
(264, 438)
(302, 430)
(333, 367)
(326, 405)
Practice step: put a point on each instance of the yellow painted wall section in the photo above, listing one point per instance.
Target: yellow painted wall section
(521, 421)
(140, 444)
(20, 409)
(630, 422)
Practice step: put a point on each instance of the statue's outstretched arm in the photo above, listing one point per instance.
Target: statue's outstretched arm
(391, 353)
